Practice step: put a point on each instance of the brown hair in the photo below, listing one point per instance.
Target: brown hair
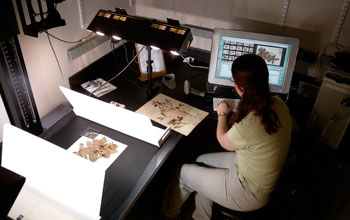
(250, 72)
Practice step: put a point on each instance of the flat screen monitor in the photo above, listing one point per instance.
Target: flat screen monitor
(278, 52)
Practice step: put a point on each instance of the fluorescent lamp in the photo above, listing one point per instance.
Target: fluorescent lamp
(115, 37)
(100, 33)
(174, 53)
(155, 48)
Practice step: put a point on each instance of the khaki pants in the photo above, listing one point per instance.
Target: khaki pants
(214, 178)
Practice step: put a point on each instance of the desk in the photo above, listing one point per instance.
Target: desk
(130, 174)
(127, 177)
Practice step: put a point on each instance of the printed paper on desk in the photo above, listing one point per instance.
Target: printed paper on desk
(116, 118)
(169, 112)
(58, 176)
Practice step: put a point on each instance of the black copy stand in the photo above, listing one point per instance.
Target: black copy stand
(15, 88)
(150, 90)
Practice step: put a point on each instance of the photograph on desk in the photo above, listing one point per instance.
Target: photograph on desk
(98, 149)
(98, 87)
(172, 113)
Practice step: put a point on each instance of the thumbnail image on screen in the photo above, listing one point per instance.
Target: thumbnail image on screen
(271, 55)
(274, 54)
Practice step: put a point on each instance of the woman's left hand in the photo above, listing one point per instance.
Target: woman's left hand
(222, 107)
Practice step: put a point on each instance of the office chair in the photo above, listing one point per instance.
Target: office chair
(282, 204)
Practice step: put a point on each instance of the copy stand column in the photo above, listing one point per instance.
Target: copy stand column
(150, 90)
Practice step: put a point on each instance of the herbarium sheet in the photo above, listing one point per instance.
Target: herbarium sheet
(172, 113)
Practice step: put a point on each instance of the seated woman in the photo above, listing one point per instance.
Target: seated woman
(257, 139)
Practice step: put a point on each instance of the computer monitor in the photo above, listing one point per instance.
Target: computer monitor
(278, 52)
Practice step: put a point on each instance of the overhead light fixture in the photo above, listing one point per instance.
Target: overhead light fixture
(167, 35)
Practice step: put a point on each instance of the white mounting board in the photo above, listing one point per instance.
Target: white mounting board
(119, 119)
(53, 175)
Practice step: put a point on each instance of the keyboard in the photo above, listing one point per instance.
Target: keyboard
(232, 103)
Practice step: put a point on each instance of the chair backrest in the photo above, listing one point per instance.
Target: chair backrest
(284, 198)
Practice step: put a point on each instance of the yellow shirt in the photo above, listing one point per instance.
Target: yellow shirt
(260, 156)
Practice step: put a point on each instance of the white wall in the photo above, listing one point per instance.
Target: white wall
(312, 21)
(42, 68)
(3, 117)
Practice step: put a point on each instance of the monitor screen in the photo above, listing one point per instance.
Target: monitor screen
(278, 52)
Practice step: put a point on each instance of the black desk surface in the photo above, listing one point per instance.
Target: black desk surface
(127, 177)
(130, 174)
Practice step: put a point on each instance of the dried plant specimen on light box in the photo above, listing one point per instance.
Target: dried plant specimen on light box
(96, 149)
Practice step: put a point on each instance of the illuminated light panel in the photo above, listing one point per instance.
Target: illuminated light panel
(107, 15)
(182, 32)
(162, 27)
(155, 26)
